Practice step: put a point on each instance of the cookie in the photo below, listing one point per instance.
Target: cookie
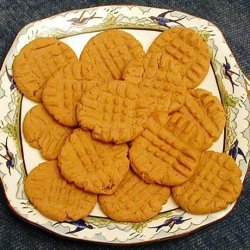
(160, 156)
(189, 131)
(110, 52)
(214, 186)
(133, 72)
(63, 91)
(206, 110)
(134, 200)
(41, 131)
(55, 198)
(36, 62)
(182, 53)
(92, 165)
(167, 93)
(164, 95)
(115, 111)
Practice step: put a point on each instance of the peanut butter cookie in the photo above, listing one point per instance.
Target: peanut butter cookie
(54, 197)
(115, 111)
(36, 62)
(92, 165)
(214, 186)
(160, 156)
(41, 131)
(207, 111)
(110, 52)
(182, 53)
(63, 91)
(134, 200)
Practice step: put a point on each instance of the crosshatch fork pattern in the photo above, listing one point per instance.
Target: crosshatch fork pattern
(115, 111)
(55, 197)
(63, 91)
(184, 53)
(206, 110)
(93, 166)
(37, 62)
(215, 185)
(111, 52)
(42, 132)
(135, 200)
(158, 156)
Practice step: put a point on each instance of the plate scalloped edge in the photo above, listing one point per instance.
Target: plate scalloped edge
(103, 230)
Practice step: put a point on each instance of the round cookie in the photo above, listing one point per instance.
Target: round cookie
(55, 198)
(214, 186)
(115, 111)
(206, 110)
(161, 156)
(110, 52)
(165, 95)
(41, 131)
(63, 91)
(189, 131)
(134, 200)
(183, 54)
(167, 90)
(153, 74)
(92, 165)
(36, 62)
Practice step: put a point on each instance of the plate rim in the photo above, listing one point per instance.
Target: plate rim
(147, 242)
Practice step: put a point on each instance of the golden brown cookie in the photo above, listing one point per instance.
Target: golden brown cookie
(189, 131)
(134, 200)
(181, 53)
(54, 197)
(115, 111)
(41, 131)
(164, 95)
(36, 62)
(159, 94)
(133, 72)
(168, 92)
(215, 184)
(160, 156)
(63, 91)
(92, 165)
(110, 52)
(206, 110)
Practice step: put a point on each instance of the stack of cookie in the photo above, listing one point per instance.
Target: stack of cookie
(123, 127)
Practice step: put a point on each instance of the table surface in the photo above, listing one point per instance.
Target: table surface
(233, 18)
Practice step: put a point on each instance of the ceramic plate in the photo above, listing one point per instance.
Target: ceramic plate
(75, 28)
